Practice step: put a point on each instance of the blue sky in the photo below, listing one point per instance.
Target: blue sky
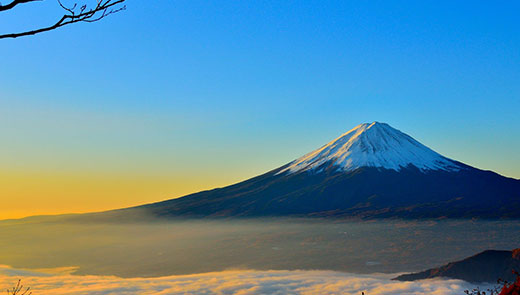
(186, 89)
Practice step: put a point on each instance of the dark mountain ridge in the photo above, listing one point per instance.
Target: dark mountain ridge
(487, 266)
(363, 193)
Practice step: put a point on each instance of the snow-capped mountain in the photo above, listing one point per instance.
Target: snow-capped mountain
(373, 145)
(372, 171)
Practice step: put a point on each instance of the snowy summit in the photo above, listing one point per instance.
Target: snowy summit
(373, 145)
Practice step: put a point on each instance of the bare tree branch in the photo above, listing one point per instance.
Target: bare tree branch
(19, 290)
(14, 3)
(102, 9)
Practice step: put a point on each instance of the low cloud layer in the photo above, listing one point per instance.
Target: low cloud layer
(228, 282)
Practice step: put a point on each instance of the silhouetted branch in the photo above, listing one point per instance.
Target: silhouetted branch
(74, 14)
(14, 3)
(19, 290)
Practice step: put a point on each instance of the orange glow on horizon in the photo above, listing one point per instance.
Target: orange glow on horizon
(27, 194)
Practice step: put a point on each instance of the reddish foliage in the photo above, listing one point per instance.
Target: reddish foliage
(512, 289)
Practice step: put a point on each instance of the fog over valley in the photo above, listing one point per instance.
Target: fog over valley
(149, 249)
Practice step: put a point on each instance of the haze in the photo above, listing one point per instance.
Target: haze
(194, 246)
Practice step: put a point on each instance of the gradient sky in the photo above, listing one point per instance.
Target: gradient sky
(172, 97)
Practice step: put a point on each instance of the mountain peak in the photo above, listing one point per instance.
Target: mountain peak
(373, 145)
(371, 126)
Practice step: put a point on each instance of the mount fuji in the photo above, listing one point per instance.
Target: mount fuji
(371, 171)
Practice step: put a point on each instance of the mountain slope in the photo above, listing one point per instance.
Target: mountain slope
(487, 266)
(372, 171)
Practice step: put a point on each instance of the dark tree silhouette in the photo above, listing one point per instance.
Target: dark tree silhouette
(72, 14)
(503, 288)
(19, 290)
(513, 288)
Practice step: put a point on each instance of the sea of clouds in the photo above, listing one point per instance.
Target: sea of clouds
(237, 282)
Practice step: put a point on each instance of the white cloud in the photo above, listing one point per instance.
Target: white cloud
(229, 282)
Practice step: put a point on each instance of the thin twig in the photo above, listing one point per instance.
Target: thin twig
(102, 9)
